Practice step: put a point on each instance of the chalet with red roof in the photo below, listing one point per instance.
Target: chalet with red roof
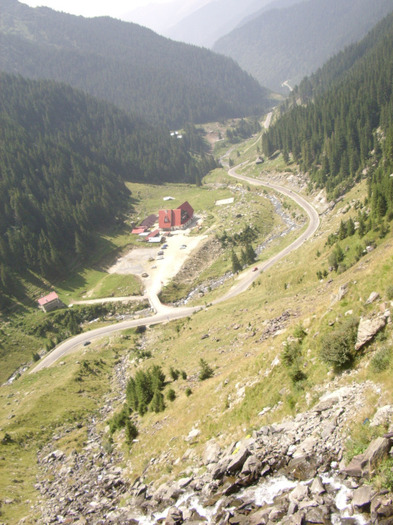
(176, 219)
(50, 302)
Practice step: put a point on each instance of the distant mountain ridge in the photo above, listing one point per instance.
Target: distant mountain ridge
(206, 25)
(161, 17)
(126, 64)
(289, 43)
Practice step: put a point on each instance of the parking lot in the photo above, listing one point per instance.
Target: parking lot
(160, 263)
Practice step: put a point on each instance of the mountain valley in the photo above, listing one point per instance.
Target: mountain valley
(237, 370)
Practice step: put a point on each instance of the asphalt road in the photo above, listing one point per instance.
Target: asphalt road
(170, 314)
(247, 277)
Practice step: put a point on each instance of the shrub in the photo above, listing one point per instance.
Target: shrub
(157, 403)
(291, 353)
(131, 431)
(297, 375)
(389, 293)
(205, 370)
(7, 439)
(299, 333)
(188, 391)
(119, 420)
(338, 346)
(381, 360)
(171, 394)
(174, 373)
(291, 357)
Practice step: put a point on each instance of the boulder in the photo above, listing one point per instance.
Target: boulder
(376, 451)
(381, 507)
(362, 498)
(260, 517)
(383, 416)
(368, 329)
(299, 493)
(193, 435)
(302, 468)
(174, 516)
(211, 453)
(342, 291)
(374, 296)
(364, 464)
(252, 466)
(238, 460)
(317, 515)
(220, 468)
(306, 447)
(317, 486)
(354, 468)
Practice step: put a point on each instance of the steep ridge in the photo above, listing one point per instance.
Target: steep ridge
(287, 44)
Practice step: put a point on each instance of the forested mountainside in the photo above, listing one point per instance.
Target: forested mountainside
(64, 157)
(127, 65)
(335, 135)
(287, 44)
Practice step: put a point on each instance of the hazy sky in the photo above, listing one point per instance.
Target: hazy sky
(113, 8)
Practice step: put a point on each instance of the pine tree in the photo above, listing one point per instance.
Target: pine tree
(236, 266)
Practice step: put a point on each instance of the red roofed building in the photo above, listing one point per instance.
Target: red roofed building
(176, 219)
(50, 302)
(138, 230)
(154, 236)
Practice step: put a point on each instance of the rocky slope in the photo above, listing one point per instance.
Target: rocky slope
(293, 472)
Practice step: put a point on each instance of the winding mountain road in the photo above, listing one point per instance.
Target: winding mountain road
(166, 314)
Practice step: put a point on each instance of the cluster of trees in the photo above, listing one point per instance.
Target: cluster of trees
(332, 133)
(127, 65)
(144, 391)
(247, 257)
(244, 237)
(64, 157)
(243, 130)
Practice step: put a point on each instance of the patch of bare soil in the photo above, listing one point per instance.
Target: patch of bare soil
(199, 261)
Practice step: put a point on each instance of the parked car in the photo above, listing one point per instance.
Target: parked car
(183, 246)
(255, 269)
(86, 343)
(160, 252)
(145, 274)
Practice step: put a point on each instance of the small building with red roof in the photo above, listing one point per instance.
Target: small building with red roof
(50, 302)
(154, 236)
(176, 219)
